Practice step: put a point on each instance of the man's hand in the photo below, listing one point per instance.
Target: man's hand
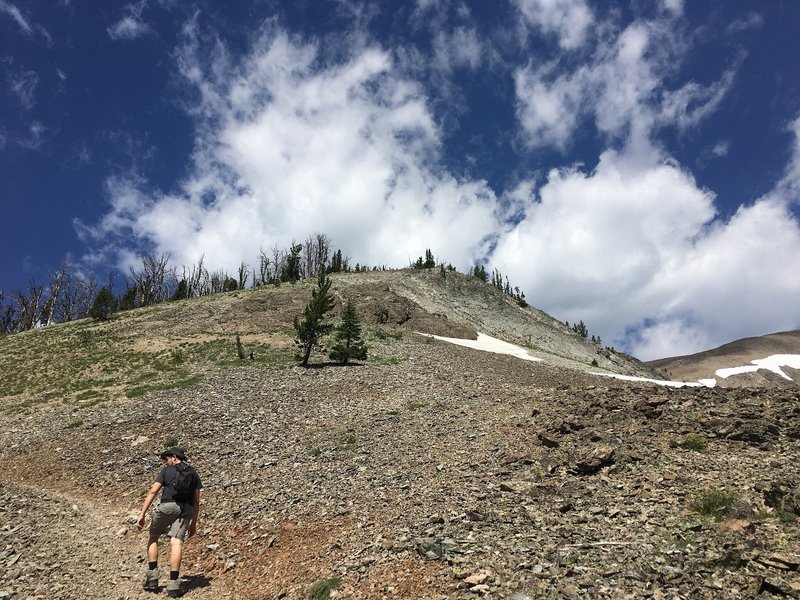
(140, 521)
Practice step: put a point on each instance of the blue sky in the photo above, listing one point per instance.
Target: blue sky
(636, 167)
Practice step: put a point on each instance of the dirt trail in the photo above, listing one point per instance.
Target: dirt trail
(54, 545)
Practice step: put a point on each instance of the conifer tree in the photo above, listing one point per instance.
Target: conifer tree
(349, 343)
(105, 304)
(313, 326)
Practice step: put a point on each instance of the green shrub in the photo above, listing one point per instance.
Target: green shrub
(713, 502)
(322, 589)
(694, 441)
(785, 516)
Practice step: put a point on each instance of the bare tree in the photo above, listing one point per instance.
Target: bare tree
(59, 281)
(264, 274)
(8, 314)
(29, 306)
(85, 291)
(154, 281)
(217, 281)
(196, 279)
(278, 260)
(244, 272)
(317, 249)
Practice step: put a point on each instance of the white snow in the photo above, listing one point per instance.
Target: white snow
(657, 381)
(488, 343)
(772, 363)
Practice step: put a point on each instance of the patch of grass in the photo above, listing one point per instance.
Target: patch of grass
(316, 451)
(389, 335)
(761, 515)
(393, 413)
(713, 502)
(694, 441)
(785, 516)
(322, 589)
(348, 444)
(190, 381)
(413, 406)
(75, 424)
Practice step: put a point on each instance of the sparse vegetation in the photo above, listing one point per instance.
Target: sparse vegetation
(713, 502)
(322, 589)
(694, 441)
(784, 516)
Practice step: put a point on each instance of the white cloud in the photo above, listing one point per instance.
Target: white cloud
(636, 250)
(460, 48)
(23, 85)
(569, 20)
(673, 6)
(131, 25)
(33, 140)
(752, 21)
(24, 24)
(285, 148)
(549, 111)
(693, 102)
(14, 13)
(721, 148)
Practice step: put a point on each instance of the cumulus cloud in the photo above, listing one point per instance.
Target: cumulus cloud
(634, 247)
(638, 252)
(286, 147)
(569, 20)
(289, 142)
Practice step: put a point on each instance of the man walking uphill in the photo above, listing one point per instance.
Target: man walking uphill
(176, 515)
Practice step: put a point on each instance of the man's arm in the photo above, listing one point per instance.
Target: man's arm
(193, 524)
(148, 500)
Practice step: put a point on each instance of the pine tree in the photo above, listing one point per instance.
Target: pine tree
(429, 262)
(349, 343)
(313, 326)
(105, 304)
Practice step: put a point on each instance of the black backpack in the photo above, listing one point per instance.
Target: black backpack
(185, 483)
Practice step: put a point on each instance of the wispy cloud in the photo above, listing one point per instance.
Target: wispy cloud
(34, 136)
(568, 20)
(24, 24)
(131, 25)
(23, 86)
(16, 14)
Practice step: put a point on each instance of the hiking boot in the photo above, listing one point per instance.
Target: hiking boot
(151, 580)
(174, 588)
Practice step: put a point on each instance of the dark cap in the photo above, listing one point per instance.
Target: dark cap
(173, 451)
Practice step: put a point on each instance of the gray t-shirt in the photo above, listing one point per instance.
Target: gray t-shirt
(167, 477)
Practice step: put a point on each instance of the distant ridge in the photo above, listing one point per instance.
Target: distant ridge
(738, 353)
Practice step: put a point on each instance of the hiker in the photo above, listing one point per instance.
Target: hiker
(176, 516)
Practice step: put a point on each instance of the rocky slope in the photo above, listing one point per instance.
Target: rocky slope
(431, 471)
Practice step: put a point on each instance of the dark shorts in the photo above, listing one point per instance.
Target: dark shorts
(172, 519)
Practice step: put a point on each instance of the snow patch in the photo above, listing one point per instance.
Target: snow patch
(658, 381)
(771, 363)
(488, 343)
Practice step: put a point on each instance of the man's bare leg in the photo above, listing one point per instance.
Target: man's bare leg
(175, 553)
(152, 548)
